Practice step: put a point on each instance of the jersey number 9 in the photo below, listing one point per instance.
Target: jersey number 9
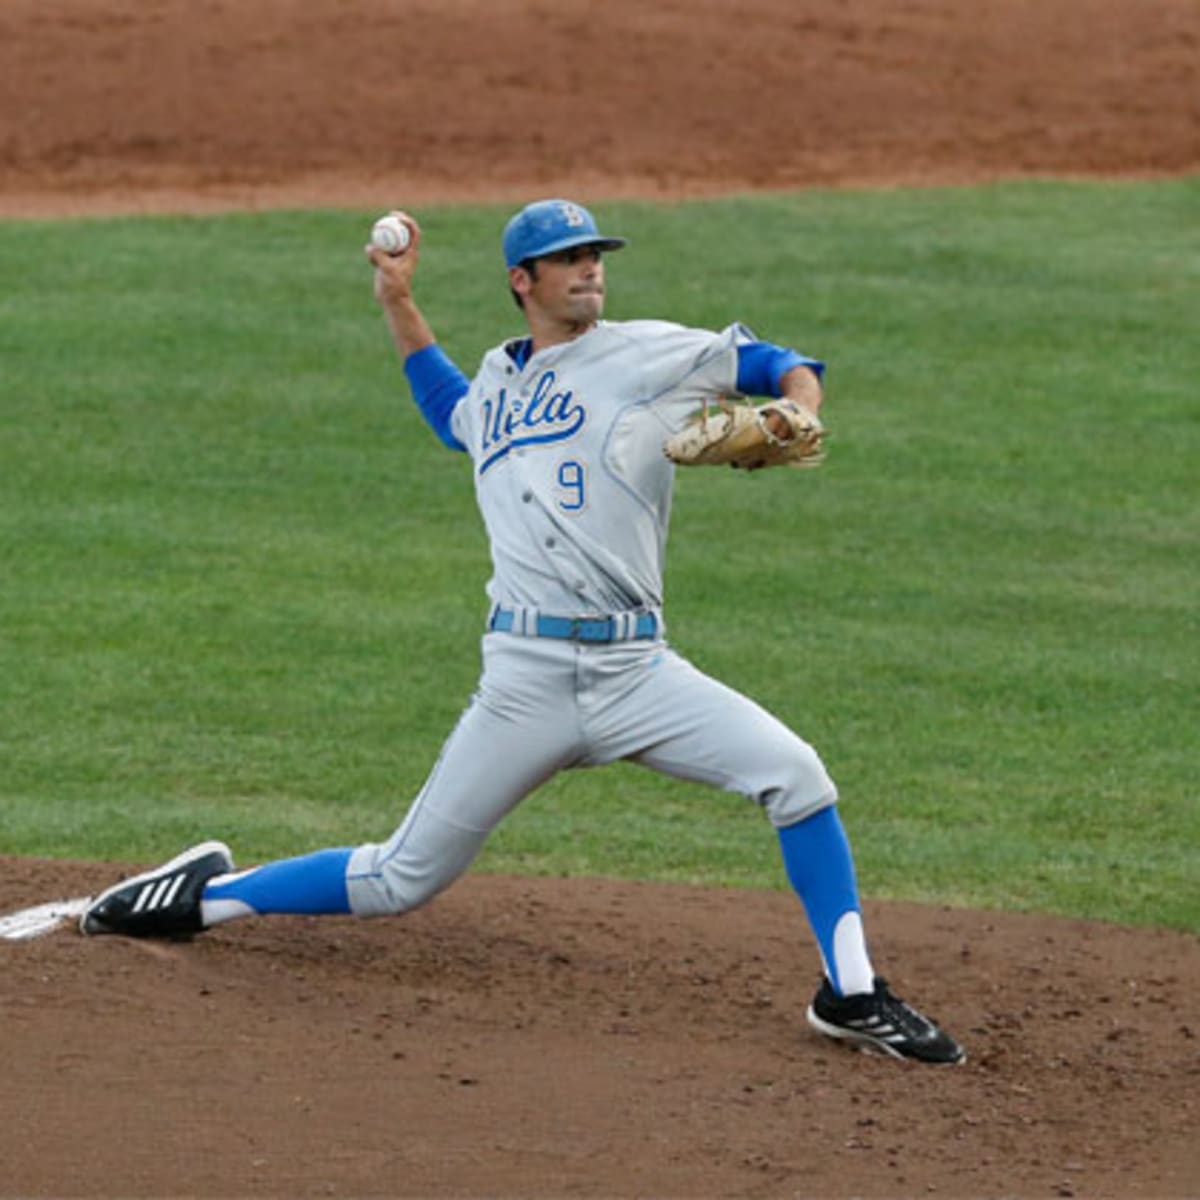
(570, 481)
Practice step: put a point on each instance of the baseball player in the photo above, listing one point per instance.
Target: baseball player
(565, 429)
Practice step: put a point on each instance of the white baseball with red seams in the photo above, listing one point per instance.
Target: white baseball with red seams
(390, 234)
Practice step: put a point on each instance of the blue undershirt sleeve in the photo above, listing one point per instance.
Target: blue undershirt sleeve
(437, 387)
(761, 365)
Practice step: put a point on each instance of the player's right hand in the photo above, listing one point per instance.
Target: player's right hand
(394, 272)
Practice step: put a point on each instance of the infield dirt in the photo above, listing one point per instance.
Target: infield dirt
(580, 1037)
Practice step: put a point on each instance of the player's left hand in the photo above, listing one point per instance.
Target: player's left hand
(781, 433)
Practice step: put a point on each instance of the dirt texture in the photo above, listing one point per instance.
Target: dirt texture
(587, 1038)
(112, 105)
(579, 1037)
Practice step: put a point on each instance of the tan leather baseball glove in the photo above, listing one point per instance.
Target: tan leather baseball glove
(781, 433)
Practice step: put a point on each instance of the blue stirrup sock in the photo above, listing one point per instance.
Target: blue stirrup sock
(816, 856)
(313, 884)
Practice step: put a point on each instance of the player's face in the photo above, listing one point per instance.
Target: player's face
(567, 287)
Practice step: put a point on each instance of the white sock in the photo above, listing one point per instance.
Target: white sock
(852, 964)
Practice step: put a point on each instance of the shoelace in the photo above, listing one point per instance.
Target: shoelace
(907, 1020)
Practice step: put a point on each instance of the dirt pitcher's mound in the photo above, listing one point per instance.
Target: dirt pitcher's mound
(143, 104)
(550, 1038)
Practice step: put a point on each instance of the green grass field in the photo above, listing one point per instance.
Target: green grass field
(241, 585)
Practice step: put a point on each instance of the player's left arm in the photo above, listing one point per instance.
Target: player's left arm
(765, 369)
(803, 385)
(785, 431)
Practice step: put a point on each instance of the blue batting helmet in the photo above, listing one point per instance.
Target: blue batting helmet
(547, 226)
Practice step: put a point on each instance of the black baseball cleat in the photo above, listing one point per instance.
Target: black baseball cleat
(164, 902)
(883, 1023)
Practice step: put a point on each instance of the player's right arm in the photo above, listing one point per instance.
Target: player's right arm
(437, 384)
(394, 291)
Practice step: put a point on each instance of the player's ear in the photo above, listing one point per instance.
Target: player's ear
(519, 279)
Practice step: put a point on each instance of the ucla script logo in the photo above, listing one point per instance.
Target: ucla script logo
(547, 416)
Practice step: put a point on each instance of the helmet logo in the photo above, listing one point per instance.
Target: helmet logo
(572, 214)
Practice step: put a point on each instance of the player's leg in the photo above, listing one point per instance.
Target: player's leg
(687, 724)
(517, 732)
(313, 884)
(487, 767)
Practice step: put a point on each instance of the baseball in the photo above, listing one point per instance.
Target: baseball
(390, 234)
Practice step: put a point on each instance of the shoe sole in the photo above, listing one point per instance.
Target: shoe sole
(180, 860)
(871, 1045)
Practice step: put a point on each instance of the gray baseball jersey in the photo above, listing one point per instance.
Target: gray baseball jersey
(575, 490)
(569, 470)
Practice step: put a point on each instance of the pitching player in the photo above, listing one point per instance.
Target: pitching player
(564, 429)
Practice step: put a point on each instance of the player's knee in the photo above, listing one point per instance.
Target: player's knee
(801, 786)
(380, 883)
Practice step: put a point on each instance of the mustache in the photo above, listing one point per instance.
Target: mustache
(587, 289)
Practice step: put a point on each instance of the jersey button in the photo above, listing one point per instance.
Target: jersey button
(550, 543)
(527, 496)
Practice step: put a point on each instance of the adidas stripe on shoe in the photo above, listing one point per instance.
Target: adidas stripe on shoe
(880, 1021)
(164, 902)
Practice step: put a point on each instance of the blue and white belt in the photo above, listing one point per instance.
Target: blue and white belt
(619, 627)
